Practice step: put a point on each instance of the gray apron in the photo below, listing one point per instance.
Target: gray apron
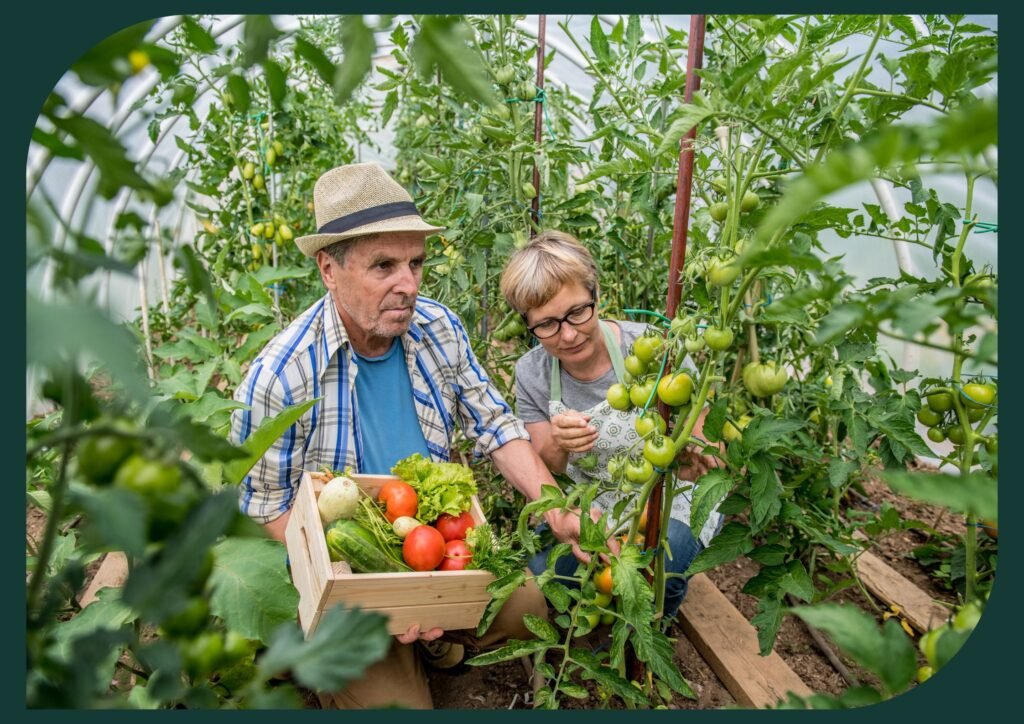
(616, 433)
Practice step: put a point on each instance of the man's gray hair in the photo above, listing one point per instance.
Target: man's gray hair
(339, 250)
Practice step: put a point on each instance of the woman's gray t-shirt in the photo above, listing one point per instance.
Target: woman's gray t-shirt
(533, 380)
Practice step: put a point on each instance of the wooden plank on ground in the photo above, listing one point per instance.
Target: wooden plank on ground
(728, 642)
(112, 573)
(895, 589)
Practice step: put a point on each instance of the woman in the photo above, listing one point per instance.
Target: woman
(561, 385)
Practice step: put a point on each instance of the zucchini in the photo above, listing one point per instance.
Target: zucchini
(348, 541)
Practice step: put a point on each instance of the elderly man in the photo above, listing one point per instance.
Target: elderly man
(394, 373)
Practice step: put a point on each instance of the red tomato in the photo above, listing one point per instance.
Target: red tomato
(423, 549)
(400, 499)
(457, 556)
(453, 528)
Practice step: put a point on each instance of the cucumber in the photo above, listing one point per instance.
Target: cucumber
(351, 542)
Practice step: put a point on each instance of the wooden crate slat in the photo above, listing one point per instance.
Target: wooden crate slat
(379, 590)
(449, 616)
(728, 642)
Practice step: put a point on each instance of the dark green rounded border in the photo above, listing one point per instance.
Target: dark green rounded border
(42, 40)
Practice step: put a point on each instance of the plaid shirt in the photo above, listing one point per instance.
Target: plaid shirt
(313, 358)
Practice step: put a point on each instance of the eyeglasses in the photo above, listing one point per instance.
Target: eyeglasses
(551, 327)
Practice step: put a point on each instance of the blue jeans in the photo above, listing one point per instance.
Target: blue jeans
(683, 544)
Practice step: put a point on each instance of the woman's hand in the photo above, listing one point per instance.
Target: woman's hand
(571, 432)
(565, 525)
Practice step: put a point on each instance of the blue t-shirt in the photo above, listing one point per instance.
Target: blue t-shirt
(389, 428)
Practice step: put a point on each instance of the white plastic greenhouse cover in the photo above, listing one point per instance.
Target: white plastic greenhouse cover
(71, 185)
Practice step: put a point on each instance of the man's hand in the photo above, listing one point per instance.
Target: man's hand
(571, 432)
(413, 634)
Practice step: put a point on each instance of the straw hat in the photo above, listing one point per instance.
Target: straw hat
(356, 200)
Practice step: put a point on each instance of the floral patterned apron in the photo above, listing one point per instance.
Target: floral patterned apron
(616, 433)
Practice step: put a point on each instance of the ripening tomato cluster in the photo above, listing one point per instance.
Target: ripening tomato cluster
(943, 420)
(440, 545)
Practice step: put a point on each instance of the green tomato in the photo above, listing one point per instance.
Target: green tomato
(975, 413)
(720, 184)
(763, 379)
(660, 451)
(721, 273)
(955, 433)
(935, 434)
(616, 467)
(148, 478)
(607, 619)
(639, 471)
(719, 211)
(929, 417)
(601, 600)
(189, 621)
(204, 654)
(618, 396)
(940, 401)
(718, 339)
(675, 390)
(992, 445)
(99, 456)
(682, 326)
(635, 366)
(649, 422)
(749, 202)
(640, 393)
(924, 673)
(693, 344)
(967, 617)
(647, 348)
(978, 395)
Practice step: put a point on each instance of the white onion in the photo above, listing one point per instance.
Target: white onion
(338, 499)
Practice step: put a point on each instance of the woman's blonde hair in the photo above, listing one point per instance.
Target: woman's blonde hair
(536, 272)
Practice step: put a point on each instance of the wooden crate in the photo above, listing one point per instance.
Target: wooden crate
(449, 599)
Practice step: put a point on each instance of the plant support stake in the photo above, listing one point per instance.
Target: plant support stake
(538, 120)
(681, 217)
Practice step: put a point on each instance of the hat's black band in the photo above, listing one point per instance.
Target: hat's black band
(369, 216)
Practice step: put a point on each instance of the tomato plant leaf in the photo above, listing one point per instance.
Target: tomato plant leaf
(710, 489)
(115, 518)
(599, 42)
(540, 628)
(767, 621)
(973, 493)
(733, 541)
(886, 652)
(252, 591)
(512, 650)
(344, 644)
(157, 585)
(270, 429)
(197, 36)
(107, 612)
(607, 678)
(654, 649)
(359, 45)
(277, 81)
(688, 116)
(443, 42)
